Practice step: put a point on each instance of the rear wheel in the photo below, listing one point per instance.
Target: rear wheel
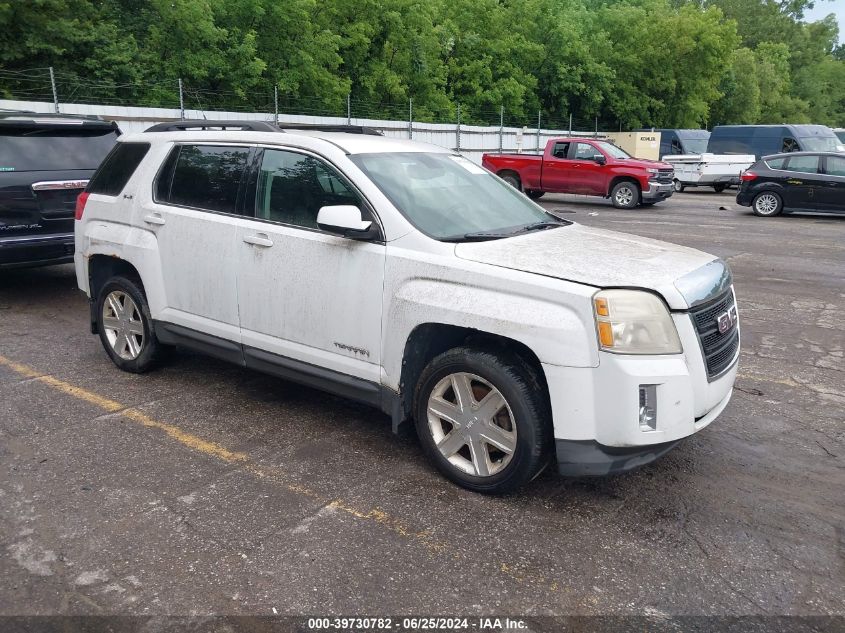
(767, 204)
(125, 325)
(720, 187)
(483, 419)
(512, 179)
(535, 194)
(625, 195)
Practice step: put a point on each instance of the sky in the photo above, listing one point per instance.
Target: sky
(825, 7)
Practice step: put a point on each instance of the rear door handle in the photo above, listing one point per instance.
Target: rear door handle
(260, 239)
(154, 218)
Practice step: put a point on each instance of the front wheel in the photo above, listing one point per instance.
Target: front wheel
(483, 419)
(125, 325)
(767, 204)
(625, 195)
(679, 186)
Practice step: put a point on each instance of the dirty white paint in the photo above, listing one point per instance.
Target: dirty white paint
(350, 306)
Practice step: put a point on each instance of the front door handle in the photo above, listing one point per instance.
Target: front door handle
(260, 239)
(154, 218)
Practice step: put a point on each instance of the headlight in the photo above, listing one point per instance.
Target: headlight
(652, 171)
(634, 322)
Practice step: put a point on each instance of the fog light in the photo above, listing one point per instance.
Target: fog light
(648, 407)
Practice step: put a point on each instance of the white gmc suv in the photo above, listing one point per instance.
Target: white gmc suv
(404, 276)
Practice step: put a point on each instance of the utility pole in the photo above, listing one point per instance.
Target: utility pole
(410, 118)
(181, 101)
(539, 114)
(276, 104)
(55, 92)
(348, 108)
(570, 124)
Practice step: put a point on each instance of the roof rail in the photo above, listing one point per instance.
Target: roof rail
(329, 127)
(203, 124)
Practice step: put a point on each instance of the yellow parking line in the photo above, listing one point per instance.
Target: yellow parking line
(212, 449)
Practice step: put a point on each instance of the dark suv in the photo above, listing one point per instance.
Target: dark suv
(45, 163)
(799, 181)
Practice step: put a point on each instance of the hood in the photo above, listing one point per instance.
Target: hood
(606, 259)
(644, 163)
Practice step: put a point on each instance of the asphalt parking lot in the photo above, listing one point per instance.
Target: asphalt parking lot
(205, 488)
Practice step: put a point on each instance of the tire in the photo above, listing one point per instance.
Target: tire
(719, 188)
(535, 194)
(522, 422)
(648, 204)
(679, 186)
(767, 204)
(131, 343)
(625, 195)
(512, 179)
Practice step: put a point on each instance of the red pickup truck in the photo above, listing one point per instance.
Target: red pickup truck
(587, 166)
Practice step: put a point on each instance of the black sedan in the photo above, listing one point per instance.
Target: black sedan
(799, 181)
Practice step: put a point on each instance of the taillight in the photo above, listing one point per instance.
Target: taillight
(81, 199)
(748, 176)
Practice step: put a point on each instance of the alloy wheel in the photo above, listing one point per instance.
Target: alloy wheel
(123, 325)
(766, 204)
(472, 424)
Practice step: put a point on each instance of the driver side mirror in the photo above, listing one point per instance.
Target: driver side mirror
(600, 159)
(345, 220)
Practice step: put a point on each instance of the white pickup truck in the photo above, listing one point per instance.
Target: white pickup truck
(708, 170)
(404, 276)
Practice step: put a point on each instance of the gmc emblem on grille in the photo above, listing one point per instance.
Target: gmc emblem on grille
(727, 320)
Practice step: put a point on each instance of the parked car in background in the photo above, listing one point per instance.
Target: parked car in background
(404, 276)
(585, 166)
(800, 181)
(45, 163)
(763, 140)
(840, 134)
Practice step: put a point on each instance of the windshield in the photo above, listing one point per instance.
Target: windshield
(449, 197)
(694, 145)
(612, 150)
(821, 143)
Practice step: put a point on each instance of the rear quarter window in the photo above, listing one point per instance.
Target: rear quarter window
(775, 163)
(118, 168)
(203, 177)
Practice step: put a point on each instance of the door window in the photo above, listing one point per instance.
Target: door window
(560, 150)
(292, 188)
(585, 151)
(789, 145)
(804, 164)
(835, 166)
(676, 147)
(204, 177)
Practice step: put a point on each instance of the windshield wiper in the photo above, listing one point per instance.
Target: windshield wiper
(476, 237)
(543, 224)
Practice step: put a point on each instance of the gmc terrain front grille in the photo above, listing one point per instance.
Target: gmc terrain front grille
(720, 348)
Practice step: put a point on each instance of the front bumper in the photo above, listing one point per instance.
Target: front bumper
(596, 410)
(657, 191)
(36, 250)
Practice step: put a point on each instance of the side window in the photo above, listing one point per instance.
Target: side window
(206, 177)
(117, 168)
(789, 145)
(776, 163)
(804, 164)
(676, 147)
(560, 150)
(585, 151)
(835, 166)
(292, 188)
